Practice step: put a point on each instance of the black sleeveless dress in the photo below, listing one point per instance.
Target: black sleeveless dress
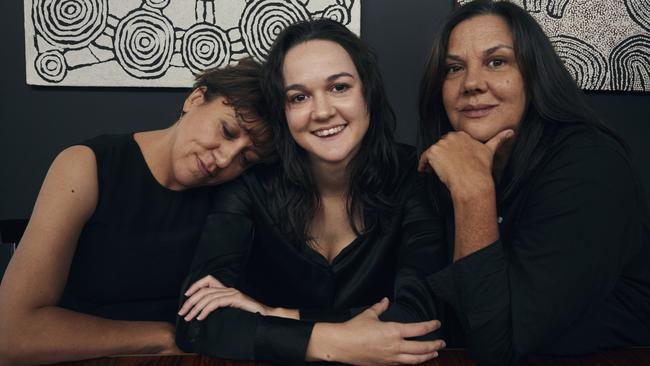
(136, 249)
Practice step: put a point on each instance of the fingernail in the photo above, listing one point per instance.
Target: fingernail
(435, 354)
(444, 344)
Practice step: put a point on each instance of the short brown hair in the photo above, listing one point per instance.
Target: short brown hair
(240, 85)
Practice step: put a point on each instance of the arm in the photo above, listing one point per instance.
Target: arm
(32, 328)
(230, 332)
(422, 251)
(419, 240)
(363, 339)
(563, 254)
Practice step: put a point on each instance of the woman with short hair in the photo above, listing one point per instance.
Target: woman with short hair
(100, 266)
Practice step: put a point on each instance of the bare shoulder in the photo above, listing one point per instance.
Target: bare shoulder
(71, 180)
(68, 196)
(66, 201)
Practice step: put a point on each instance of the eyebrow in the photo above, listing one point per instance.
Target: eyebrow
(329, 79)
(487, 52)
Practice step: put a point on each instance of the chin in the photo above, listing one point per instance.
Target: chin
(480, 135)
(331, 158)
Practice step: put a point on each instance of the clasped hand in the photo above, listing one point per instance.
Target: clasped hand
(366, 340)
(460, 161)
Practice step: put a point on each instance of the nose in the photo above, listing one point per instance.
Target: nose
(228, 151)
(322, 110)
(474, 81)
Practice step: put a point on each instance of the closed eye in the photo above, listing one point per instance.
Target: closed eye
(227, 133)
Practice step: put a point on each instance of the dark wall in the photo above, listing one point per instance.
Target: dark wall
(37, 122)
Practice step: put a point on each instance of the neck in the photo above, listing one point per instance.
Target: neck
(156, 147)
(331, 179)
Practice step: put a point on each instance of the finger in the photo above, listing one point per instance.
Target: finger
(499, 139)
(201, 299)
(406, 359)
(200, 294)
(196, 309)
(408, 330)
(212, 306)
(191, 301)
(203, 282)
(217, 283)
(195, 298)
(378, 308)
(421, 347)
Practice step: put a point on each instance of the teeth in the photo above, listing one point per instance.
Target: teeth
(329, 131)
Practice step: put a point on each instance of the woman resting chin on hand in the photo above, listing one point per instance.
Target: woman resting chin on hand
(550, 235)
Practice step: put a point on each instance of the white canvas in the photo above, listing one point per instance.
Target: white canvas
(157, 43)
(605, 44)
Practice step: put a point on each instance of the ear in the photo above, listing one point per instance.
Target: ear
(196, 97)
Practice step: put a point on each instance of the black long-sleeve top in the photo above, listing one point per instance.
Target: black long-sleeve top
(242, 246)
(571, 270)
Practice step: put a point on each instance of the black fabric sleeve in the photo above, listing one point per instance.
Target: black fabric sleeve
(564, 252)
(422, 252)
(228, 332)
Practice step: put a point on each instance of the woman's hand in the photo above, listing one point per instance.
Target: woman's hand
(465, 165)
(209, 294)
(366, 340)
(461, 162)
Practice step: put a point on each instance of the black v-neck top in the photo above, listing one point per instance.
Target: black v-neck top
(242, 246)
(135, 250)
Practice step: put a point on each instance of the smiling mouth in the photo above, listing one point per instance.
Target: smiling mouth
(329, 131)
(202, 168)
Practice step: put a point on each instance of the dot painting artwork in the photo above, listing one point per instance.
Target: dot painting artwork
(605, 44)
(157, 43)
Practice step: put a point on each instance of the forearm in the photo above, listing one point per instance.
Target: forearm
(323, 344)
(241, 335)
(475, 216)
(365, 340)
(283, 313)
(51, 334)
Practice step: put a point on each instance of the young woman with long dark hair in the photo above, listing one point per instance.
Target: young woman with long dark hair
(340, 223)
(545, 215)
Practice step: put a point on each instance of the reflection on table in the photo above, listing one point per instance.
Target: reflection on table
(451, 357)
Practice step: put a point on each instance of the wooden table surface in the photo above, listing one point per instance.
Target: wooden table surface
(451, 357)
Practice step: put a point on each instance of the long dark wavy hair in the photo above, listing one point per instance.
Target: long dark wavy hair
(294, 195)
(552, 96)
